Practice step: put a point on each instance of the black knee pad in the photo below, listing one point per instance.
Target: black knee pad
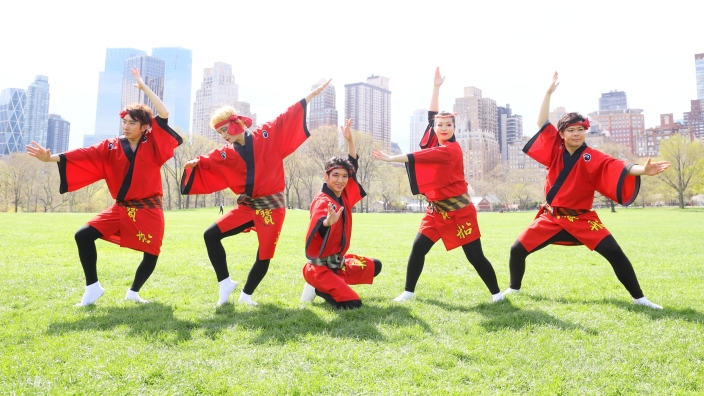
(377, 267)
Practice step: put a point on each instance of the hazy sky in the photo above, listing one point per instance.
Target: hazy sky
(279, 49)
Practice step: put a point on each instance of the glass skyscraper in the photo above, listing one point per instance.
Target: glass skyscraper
(699, 67)
(177, 84)
(36, 113)
(12, 107)
(152, 71)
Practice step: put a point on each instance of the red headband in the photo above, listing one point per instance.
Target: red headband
(585, 124)
(123, 113)
(445, 115)
(235, 128)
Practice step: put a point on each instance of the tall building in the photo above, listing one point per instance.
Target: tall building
(217, 89)
(368, 104)
(477, 132)
(621, 126)
(12, 107)
(177, 84)
(152, 70)
(322, 110)
(419, 121)
(510, 129)
(107, 122)
(699, 69)
(36, 113)
(57, 134)
(613, 101)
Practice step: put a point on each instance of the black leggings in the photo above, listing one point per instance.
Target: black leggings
(85, 240)
(473, 251)
(608, 248)
(218, 258)
(352, 304)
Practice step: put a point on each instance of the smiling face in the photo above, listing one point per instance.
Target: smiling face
(132, 129)
(573, 136)
(444, 128)
(336, 180)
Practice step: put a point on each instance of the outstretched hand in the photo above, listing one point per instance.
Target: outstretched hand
(654, 168)
(438, 78)
(380, 155)
(317, 91)
(333, 216)
(346, 132)
(137, 77)
(37, 151)
(554, 84)
(190, 164)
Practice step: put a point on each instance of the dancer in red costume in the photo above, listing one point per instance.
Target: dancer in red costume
(251, 165)
(575, 172)
(330, 269)
(437, 171)
(131, 167)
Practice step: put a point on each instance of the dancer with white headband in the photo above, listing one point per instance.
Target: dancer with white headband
(131, 167)
(575, 172)
(437, 172)
(251, 165)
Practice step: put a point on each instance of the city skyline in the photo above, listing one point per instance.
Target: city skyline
(510, 58)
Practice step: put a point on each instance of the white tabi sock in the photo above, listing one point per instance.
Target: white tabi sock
(646, 303)
(497, 297)
(404, 296)
(308, 294)
(134, 296)
(227, 286)
(510, 291)
(91, 294)
(247, 299)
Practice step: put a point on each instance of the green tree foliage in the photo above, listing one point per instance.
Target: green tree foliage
(687, 169)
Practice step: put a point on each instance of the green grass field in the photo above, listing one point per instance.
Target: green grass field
(572, 330)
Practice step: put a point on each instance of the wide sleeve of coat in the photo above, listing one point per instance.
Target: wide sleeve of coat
(165, 139)
(612, 180)
(543, 146)
(208, 176)
(81, 167)
(289, 129)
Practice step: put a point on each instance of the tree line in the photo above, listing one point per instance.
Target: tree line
(28, 185)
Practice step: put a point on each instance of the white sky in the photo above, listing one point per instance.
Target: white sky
(279, 49)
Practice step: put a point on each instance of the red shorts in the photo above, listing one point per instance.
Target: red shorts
(267, 224)
(456, 228)
(587, 228)
(356, 270)
(139, 229)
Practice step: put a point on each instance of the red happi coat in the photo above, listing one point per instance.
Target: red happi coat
(337, 237)
(130, 176)
(436, 171)
(255, 169)
(572, 179)
(570, 184)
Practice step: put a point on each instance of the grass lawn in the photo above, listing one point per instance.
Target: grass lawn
(573, 329)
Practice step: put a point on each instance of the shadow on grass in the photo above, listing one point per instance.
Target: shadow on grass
(153, 321)
(504, 315)
(272, 323)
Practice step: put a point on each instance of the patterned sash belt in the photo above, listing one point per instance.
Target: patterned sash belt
(150, 202)
(450, 204)
(558, 211)
(273, 201)
(334, 261)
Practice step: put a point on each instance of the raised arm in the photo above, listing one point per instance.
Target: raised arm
(545, 107)
(437, 82)
(42, 154)
(317, 91)
(347, 134)
(649, 169)
(160, 107)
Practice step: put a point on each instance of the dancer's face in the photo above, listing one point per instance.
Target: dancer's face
(444, 129)
(132, 129)
(574, 136)
(336, 180)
